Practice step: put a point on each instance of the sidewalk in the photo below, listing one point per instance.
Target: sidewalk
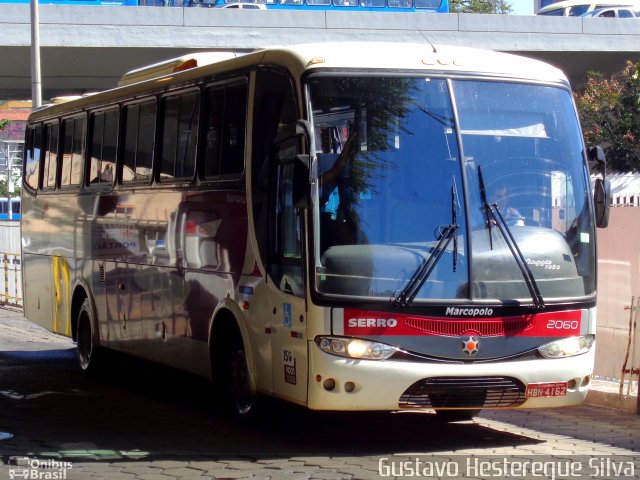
(607, 394)
(17, 334)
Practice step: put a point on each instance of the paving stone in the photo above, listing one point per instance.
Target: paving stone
(224, 474)
(181, 471)
(155, 476)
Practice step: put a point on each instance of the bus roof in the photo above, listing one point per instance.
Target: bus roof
(302, 58)
(410, 56)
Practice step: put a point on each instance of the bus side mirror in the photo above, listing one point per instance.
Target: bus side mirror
(301, 191)
(601, 187)
(601, 200)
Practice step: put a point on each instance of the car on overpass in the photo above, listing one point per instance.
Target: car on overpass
(576, 8)
(614, 12)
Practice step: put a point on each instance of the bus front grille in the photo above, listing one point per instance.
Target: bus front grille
(464, 392)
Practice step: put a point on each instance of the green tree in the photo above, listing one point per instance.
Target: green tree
(14, 177)
(609, 110)
(480, 6)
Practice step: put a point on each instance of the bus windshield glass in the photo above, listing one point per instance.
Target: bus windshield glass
(398, 162)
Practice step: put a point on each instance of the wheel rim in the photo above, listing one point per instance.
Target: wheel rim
(239, 384)
(85, 340)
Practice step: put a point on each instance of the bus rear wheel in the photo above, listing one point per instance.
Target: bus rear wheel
(86, 339)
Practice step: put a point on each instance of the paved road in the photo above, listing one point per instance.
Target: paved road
(139, 421)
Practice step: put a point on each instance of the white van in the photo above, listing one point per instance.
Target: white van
(575, 8)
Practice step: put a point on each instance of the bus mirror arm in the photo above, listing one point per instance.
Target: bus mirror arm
(597, 160)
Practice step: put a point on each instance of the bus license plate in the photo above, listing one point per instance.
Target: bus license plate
(552, 389)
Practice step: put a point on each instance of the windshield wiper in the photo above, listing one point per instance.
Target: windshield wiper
(493, 214)
(449, 233)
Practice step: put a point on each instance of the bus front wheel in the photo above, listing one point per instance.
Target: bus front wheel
(242, 401)
(456, 415)
(86, 342)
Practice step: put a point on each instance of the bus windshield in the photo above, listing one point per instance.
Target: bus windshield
(398, 162)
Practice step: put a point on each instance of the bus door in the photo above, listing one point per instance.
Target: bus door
(278, 308)
(288, 335)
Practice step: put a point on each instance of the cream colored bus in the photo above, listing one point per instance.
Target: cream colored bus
(345, 226)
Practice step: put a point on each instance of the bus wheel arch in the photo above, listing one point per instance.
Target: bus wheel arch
(232, 366)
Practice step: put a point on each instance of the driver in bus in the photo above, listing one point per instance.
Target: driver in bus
(512, 215)
(334, 208)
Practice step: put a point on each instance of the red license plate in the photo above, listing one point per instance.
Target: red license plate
(551, 389)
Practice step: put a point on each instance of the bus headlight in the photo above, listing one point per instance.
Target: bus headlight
(355, 348)
(567, 347)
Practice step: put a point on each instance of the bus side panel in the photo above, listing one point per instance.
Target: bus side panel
(38, 305)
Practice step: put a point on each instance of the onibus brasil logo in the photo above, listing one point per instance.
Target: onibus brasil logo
(37, 469)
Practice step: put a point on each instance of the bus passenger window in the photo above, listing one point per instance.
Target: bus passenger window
(140, 123)
(102, 154)
(400, 3)
(224, 133)
(51, 132)
(32, 164)
(72, 151)
(430, 4)
(179, 136)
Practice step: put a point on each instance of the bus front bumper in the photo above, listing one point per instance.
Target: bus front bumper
(337, 383)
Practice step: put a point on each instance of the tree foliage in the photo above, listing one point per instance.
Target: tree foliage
(14, 177)
(480, 6)
(609, 111)
(4, 192)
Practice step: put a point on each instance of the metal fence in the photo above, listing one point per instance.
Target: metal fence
(10, 264)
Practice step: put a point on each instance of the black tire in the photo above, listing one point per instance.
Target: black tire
(87, 345)
(241, 401)
(456, 415)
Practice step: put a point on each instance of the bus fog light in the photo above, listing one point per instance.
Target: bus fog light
(349, 387)
(329, 384)
(567, 347)
(355, 348)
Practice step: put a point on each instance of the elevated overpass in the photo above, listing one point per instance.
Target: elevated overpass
(87, 48)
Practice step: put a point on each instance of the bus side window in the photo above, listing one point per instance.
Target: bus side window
(224, 130)
(139, 137)
(277, 223)
(32, 165)
(102, 150)
(50, 167)
(180, 114)
(72, 151)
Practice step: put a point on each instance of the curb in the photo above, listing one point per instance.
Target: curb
(606, 394)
